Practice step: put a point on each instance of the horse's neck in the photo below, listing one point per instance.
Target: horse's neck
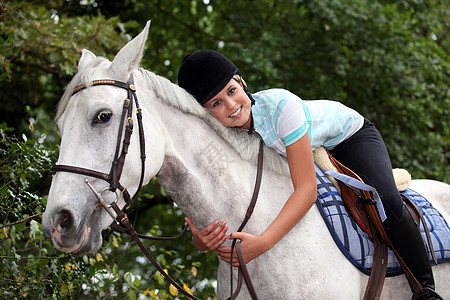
(204, 176)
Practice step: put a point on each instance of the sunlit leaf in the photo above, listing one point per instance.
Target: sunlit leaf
(186, 287)
(173, 290)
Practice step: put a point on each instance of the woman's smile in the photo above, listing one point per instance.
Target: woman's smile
(237, 113)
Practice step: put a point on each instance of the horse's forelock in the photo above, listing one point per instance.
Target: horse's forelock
(83, 77)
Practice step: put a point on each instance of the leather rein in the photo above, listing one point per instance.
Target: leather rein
(115, 173)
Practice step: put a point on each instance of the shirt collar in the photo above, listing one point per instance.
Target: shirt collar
(257, 113)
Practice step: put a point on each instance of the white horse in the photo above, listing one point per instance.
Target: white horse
(209, 171)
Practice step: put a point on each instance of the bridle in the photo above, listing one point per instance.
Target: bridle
(113, 178)
(115, 173)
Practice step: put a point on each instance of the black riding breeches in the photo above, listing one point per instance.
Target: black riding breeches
(365, 154)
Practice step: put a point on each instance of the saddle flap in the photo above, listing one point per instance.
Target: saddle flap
(357, 202)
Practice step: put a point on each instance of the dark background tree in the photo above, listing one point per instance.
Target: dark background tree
(387, 59)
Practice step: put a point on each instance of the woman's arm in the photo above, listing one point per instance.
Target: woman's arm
(301, 166)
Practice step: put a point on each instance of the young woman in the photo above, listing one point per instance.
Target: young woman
(294, 128)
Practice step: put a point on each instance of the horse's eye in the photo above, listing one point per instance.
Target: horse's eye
(103, 117)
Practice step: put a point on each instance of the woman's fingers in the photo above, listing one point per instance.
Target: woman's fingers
(209, 238)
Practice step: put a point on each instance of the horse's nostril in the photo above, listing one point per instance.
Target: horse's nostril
(63, 219)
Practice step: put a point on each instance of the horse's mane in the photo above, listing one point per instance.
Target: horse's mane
(246, 145)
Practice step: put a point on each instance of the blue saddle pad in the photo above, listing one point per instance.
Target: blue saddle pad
(355, 244)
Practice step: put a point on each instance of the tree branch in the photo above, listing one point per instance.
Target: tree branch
(34, 257)
(26, 19)
(20, 221)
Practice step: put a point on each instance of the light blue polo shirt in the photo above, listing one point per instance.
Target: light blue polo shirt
(282, 118)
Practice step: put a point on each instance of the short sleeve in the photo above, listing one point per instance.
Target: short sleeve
(292, 121)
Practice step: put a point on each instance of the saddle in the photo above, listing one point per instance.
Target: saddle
(362, 207)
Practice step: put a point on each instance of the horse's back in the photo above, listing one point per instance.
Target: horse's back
(437, 192)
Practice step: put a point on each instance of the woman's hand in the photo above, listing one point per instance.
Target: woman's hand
(211, 237)
(252, 246)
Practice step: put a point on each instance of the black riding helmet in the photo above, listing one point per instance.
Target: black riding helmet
(205, 73)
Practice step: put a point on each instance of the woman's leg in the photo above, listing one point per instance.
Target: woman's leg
(365, 153)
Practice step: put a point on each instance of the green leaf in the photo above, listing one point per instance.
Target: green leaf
(137, 282)
(34, 229)
(36, 264)
(128, 278)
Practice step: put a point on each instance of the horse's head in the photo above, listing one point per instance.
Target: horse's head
(90, 122)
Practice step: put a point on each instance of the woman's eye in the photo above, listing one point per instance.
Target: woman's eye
(231, 91)
(103, 117)
(216, 103)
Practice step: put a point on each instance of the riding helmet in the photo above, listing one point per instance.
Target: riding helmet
(205, 73)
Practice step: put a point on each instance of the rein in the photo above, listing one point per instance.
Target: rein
(243, 272)
(115, 173)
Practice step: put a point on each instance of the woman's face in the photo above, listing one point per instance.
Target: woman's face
(231, 106)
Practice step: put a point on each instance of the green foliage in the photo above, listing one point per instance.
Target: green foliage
(387, 59)
(39, 51)
(29, 264)
(24, 164)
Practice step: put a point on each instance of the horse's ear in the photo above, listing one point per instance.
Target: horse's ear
(86, 57)
(130, 55)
